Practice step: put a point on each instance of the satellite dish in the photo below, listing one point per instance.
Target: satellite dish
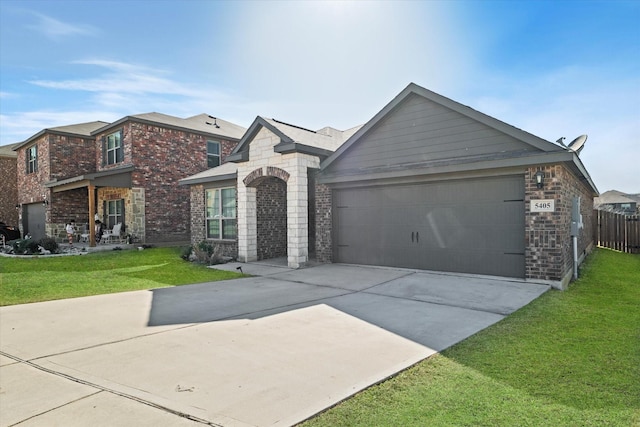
(577, 144)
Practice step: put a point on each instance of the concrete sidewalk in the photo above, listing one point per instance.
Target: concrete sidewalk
(262, 351)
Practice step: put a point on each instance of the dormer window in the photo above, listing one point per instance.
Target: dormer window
(213, 154)
(32, 159)
(112, 148)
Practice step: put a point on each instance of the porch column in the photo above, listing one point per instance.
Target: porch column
(247, 223)
(297, 217)
(92, 211)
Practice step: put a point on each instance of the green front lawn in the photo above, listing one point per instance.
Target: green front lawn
(568, 359)
(24, 280)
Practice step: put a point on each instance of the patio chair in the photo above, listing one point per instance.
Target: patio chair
(111, 236)
(84, 235)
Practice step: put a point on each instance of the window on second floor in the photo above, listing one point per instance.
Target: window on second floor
(112, 149)
(32, 159)
(213, 154)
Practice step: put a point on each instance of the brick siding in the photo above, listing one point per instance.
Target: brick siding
(271, 215)
(71, 156)
(31, 185)
(548, 242)
(198, 230)
(162, 157)
(324, 248)
(8, 190)
(66, 206)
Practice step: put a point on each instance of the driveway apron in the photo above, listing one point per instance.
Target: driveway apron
(269, 350)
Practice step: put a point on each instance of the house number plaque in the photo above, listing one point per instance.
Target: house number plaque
(542, 205)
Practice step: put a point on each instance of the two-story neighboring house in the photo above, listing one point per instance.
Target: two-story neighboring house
(123, 172)
(53, 154)
(8, 185)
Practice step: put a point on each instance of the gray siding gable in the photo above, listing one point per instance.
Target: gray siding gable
(419, 130)
(421, 126)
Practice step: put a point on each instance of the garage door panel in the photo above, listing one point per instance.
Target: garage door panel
(471, 226)
(465, 261)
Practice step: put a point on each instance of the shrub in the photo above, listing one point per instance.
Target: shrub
(25, 246)
(49, 244)
(206, 247)
(186, 253)
(204, 253)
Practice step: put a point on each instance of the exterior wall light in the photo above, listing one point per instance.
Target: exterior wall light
(539, 179)
(17, 207)
(45, 203)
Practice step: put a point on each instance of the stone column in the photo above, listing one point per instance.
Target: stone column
(247, 223)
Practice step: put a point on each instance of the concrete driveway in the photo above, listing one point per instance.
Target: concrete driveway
(269, 350)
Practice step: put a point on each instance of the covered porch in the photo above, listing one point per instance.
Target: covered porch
(106, 196)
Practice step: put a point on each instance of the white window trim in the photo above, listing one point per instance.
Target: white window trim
(220, 218)
(116, 136)
(32, 162)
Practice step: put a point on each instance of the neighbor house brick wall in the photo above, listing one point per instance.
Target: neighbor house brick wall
(71, 156)
(161, 157)
(8, 190)
(271, 215)
(548, 242)
(66, 206)
(31, 185)
(324, 249)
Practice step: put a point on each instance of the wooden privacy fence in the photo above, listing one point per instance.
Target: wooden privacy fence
(617, 231)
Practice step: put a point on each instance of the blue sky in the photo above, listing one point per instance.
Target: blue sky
(552, 68)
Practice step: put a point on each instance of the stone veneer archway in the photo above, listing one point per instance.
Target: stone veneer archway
(295, 179)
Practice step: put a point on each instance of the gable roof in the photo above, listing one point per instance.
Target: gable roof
(201, 123)
(80, 129)
(614, 196)
(220, 173)
(9, 150)
(541, 151)
(485, 119)
(292, 139)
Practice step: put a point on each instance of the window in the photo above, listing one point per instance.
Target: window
(112, 148)
(114, 210)
(32, 159)
(221, 213)
(213, 154)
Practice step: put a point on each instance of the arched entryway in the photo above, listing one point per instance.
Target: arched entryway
(263, 222)
(271, 217)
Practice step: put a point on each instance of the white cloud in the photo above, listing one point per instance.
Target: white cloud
(56, 29)
(17, 127)
(8, 95)
(122, 89)
(122, 78)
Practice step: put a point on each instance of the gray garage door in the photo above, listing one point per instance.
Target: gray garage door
(33, 218)
(467, 226)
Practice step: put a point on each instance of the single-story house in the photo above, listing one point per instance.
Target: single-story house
(427, 183)
(617, 201)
